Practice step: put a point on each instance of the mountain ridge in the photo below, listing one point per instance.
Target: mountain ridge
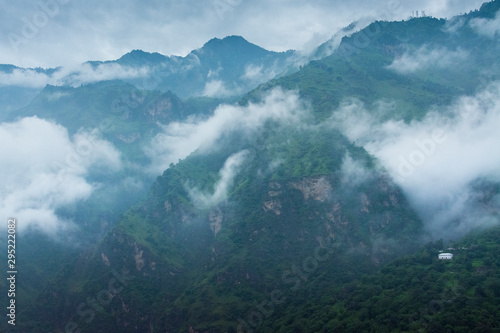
(220, 68)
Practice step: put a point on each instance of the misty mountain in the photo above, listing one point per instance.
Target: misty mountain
(114, 118)
(307, 204)
(101, 131)
(395, 87)
(221, 68)
(14, 93)
(218, 228)
(123, 114)
(410, 63)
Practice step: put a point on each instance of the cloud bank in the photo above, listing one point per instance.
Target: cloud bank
(45, 169)
(487, 27)
(179, 139)
(440, 160)
(258, 74)
(427, 57)
(231, 168)
(74, 76)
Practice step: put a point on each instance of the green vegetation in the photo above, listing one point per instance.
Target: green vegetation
(187, 274)
(330, 250)
(417, 293)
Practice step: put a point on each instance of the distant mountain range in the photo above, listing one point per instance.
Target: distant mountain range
(221, 68)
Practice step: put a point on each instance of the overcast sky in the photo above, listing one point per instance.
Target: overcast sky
(49, 33)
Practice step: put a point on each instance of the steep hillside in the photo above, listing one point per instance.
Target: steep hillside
(221, 68)
(418, 293)
(202, 262)
(126, 117)
(415, 64)
(123, 116)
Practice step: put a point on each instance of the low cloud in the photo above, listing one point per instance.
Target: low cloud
(426, 57)
(313, 52)
(25, 78)
(75, 76)
(253, 73)
(258, 74)
(215, 88)
(88, 74)
(439, 160)
(487, 27)
(252, 77)
(353, 172)
(231, 168)
(179, 139)
(45, 169)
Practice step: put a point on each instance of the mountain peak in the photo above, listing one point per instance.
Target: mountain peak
(135, 57)
(233, 39)
(232, 43)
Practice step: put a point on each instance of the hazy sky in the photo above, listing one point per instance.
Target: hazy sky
(49, 33)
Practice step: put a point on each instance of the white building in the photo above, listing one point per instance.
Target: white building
(446, 256)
